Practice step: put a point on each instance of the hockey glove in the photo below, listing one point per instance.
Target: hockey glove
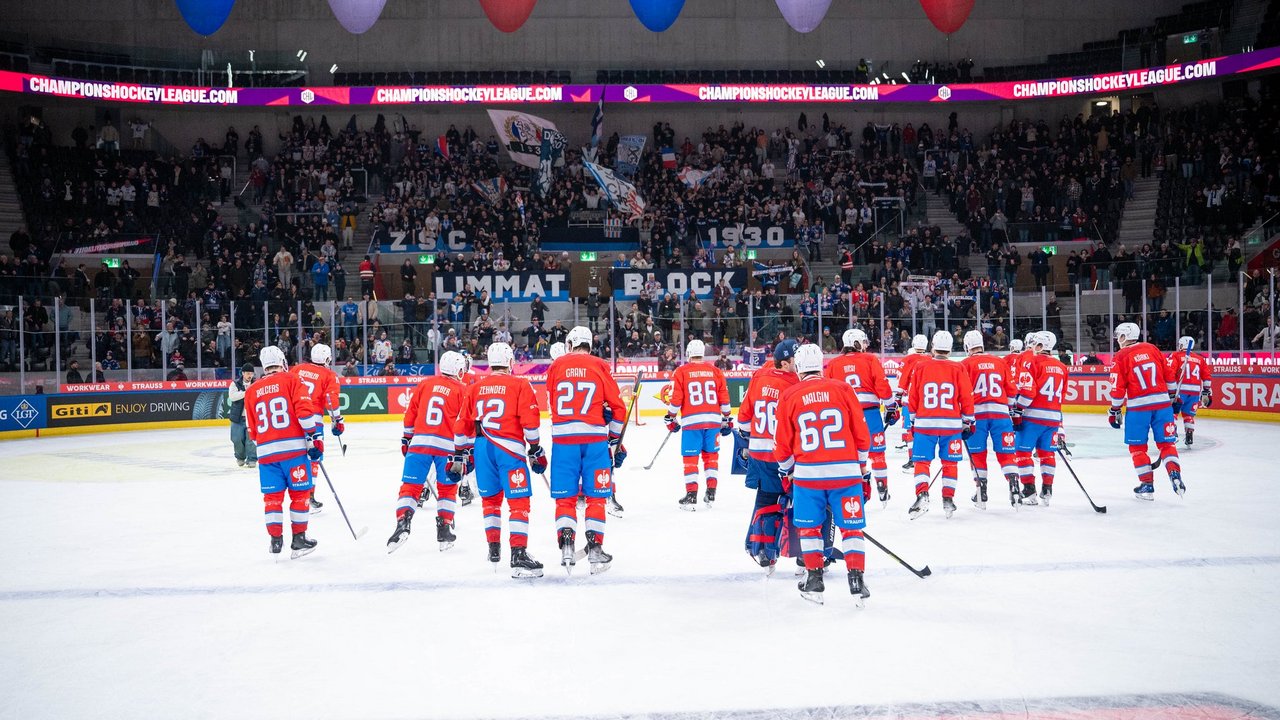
(726, 425)
(316, 450)
(1113, 417)
(460, 464)
(1015, 416)
(1060, 442)
(453, 477)
(969, 427)
(786, 483)
(892, 414)
(619, 455)
(744, 434)
(673, 425)
(404, 446)
(1206, 397)
(537, 458)
(1176, 401)
(339, 427)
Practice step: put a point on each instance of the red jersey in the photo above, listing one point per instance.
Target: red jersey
(940, 397)
(699, 394)
(1040, 392)
(579, 388)
(506, 410)
(1193, 371)
(822, 440)
(322, 385)
(758, 413)
(1016, 363)
(993, 385)
(1140, 378)
(864, 373)
(432, 414)
(280, 414)
(904, 372)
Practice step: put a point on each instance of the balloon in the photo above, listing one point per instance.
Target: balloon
(357, 16)
(804, 15)
(205, 16)
(947, 15)
(508, 15)
(657, 15)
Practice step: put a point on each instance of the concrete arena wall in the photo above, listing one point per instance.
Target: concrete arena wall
(590, 34)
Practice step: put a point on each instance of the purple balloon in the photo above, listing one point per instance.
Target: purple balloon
(657, 15)
(357, 16)
(804, 15)
(205, 16)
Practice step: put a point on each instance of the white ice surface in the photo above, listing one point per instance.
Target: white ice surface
(135, 582)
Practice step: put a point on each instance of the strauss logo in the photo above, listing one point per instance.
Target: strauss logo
(602, 479)
(299, 473)
(518, 478)
(852, 507)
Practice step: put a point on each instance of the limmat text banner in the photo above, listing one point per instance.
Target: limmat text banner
(1169, 75)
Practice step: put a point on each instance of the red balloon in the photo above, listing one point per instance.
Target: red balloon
(947, 15)
(508, 15)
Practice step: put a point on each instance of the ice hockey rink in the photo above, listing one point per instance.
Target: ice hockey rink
(136, 582)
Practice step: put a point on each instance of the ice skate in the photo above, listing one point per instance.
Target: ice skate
(1175, 477)
(709, 497)
(1015, 496)
(1191, 436)
(599, 559)
(920, 506)
(524, 566)
(444, 533)
(301, 545)
(401, 534)
(689, 501)
(908, 465)
(1145, 491)
(613, 507)
(980, 497)
(949, 506)
(858, 588)
(567, 555)
(495, 554)
(316, 505)
(277, 544)
(1046, 494)
(1029, 494)
(422, 496)
(464, 494)
(882, 489)
(812, 587)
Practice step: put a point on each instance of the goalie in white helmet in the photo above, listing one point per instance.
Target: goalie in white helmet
(700, 397)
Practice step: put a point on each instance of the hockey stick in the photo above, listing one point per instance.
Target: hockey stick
(615, 508)
(922, 573)
(354, 535)
(659, 452)
(1096, 507)
(341, 444)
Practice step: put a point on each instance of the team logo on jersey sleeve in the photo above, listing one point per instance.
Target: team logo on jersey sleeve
(852, 508)
(517, 478)
(602, 479)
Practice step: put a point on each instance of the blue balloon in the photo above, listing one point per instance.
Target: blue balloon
(205, 16)
(657, 15)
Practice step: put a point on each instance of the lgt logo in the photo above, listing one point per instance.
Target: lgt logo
(23, 414)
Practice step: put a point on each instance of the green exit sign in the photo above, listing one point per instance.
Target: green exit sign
(751, 254)
(587, 257)
(1190, 38)
(112, 262)
(428, 259)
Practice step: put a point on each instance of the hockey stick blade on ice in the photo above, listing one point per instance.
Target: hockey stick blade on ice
(922, 573)
(1096, 507)
(659, 452)
(354, 535)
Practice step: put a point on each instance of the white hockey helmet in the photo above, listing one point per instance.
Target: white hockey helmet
(452, 364)
(500, 355)
(1015, 345)
(321, 354)
(808, 358)
(579, 335)
(1185, 342)
(973, 341)
(557, 350)
(856, 339)
(920, 342)
(1046, 341)
(696, 349)
(1030, 338)
(272, 357)
(942, 341)
(1127, 333)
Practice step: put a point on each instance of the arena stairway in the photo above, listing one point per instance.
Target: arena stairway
(1138, 219)
(11, 217)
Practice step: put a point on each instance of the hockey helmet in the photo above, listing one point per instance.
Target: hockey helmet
(272, 357)
(452, 364)
(695, 349)
(321, 354)
(856, 339)
(973, 341)
(920, 343)
(1186, 342)
(1128, 333)
(500, 355)
(579, 335)
(808, 358)
(557, 350)
(942, 341)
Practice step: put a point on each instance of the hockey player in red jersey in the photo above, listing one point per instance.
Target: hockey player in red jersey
(1038, 415)
(498, 419)
(1194, 375)
(322, 384)
(865, 374)
(282, 423)
(941, 398)
(1018, 358)
(700, 395)
(993, 391)
(919, 351)
(822, 447)
(758, 424)
(1143, 382)
(581, 392)
(427, 445)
